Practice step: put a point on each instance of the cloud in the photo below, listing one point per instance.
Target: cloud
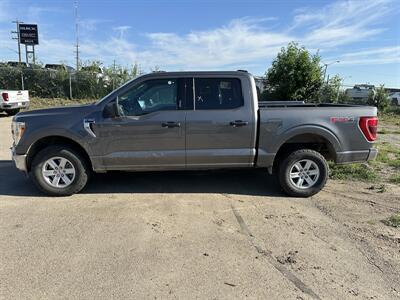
(384, 55)
(241, 42)
(342, 22)
(33, 13)
(121, 30)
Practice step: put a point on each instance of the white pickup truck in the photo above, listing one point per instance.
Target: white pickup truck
(13, 101)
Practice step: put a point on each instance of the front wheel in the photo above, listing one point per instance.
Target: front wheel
(59, 171)
(303, 173)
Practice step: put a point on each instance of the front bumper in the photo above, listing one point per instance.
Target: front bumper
(19, 160)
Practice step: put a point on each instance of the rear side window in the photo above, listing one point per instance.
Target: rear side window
(217, 93)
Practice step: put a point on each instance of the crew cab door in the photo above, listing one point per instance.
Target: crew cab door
(150, 134)
(220, 128)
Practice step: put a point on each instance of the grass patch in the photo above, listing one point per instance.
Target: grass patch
(388, 154)
(395, 179)
(352, 172)
(391, 116)
(393, 221)
(38, 103)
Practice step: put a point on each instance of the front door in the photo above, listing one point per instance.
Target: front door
(150, 134)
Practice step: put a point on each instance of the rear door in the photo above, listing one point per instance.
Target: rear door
(220, 127)
(151, 133)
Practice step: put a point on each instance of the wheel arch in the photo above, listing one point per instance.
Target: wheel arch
(318, 139)
(55, 140)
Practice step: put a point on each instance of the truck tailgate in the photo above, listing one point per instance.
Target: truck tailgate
(14, 96)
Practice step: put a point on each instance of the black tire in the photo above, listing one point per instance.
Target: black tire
(286, 165)
(82, 171)
(12, 112)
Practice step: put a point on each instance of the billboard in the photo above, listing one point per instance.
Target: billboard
(28, 34)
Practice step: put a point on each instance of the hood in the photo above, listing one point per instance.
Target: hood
(55, 111)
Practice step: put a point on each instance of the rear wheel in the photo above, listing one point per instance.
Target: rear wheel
(59, 171)
(12, 112)
(303, 173)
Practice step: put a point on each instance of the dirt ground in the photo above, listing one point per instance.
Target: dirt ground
(195, 235)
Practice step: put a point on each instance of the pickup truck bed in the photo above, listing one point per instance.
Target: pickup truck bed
(333, 125)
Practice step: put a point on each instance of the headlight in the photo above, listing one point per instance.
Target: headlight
(17, 130)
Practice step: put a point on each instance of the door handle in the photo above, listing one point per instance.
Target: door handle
(238, 123)
(170, 124)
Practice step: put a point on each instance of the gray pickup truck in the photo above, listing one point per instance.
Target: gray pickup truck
(191, 121)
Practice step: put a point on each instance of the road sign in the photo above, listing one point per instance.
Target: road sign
(28, 34)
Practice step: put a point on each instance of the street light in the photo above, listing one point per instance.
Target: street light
(326, 66)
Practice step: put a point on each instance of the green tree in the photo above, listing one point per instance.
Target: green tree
(380, 99)
(295, 74)
(330, 91)
(344, 98)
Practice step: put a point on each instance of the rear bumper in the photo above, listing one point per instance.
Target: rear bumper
(372, 154)
(356, 156)
(14, 105)
(19, 160)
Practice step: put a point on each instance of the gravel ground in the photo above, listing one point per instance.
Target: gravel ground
(185, 235)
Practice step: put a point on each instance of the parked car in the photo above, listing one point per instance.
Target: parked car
(13, 101)
(360, 92)
(60, 67)
(395, 98)
(17, 64)
(191, 121)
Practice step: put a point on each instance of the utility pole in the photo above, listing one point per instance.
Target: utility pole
(17, 38)
(77, 35)
(113, 75)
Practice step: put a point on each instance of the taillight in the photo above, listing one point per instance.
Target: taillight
(369, 127)
(5, 96)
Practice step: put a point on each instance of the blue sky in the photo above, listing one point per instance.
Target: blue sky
(215, 35)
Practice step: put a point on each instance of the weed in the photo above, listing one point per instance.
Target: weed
(393, 221)
(353, 171)
(395, 179)
(379, 189)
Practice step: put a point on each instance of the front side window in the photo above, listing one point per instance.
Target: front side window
(150, 96)
(217, 93)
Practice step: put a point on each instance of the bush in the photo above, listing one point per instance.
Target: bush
(380, 99)
(58, 83)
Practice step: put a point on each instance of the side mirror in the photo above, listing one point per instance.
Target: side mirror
(111, 110)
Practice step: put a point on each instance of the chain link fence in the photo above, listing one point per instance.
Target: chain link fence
(49, 83)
